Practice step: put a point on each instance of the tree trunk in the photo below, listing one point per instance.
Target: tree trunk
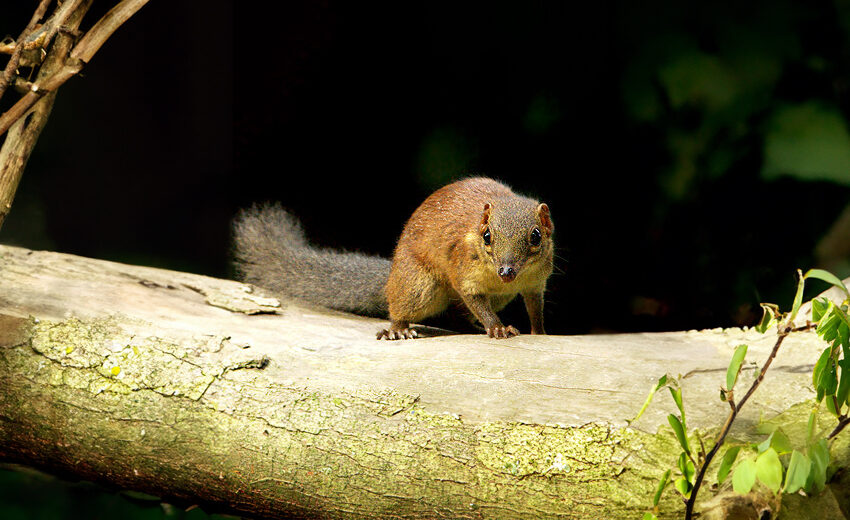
(203, 391)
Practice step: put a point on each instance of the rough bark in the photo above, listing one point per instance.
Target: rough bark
(204, 391)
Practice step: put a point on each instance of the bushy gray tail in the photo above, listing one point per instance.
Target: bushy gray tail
(271, 251)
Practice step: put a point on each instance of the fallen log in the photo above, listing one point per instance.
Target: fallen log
(207, 391)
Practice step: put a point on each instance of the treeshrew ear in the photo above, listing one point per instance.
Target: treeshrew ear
(545, 217)
(485, 217)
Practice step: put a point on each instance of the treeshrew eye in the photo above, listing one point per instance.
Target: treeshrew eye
(486, 236)
(535, 237)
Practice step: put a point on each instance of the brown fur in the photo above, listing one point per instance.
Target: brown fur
(441, 257)
(440, 260)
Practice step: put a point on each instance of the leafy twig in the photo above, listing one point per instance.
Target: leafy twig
(721, 437)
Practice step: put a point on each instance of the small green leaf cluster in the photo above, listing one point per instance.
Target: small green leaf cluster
(831, 375)
(689, 459)
(774, 463)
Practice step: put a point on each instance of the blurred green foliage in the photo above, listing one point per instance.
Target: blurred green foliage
(27, 494)
(445, 154)
(809, 141)
(719, 81)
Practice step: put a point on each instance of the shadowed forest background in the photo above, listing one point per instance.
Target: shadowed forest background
(693, 155)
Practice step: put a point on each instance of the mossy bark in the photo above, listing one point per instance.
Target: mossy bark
(200, 422)
(200, 391)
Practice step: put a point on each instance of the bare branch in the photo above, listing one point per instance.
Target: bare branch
(12, 65)
(104, 28)
(56, 21)
(42, 35)
(24, 133)
(81, 54)
(16, 151)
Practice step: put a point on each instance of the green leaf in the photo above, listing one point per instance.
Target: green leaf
(677, 397)
(744, 476)
(844, 382)
(829, 401)
(828, 380)
(661, 382)
(810, 427)
(818, 371)
(842, 315)
(776, 440)
(797, 473)
(768, 318)
(827, 277)
(661, 485)
(649, 516)
(766, 443)
(735, 366)
(798, 298)
(686, 467)
(682, 486)
(726, 463)
(781, 443)
(769, 470)
(843, 328)
(819, 308)
(819, 455)
(828, 325)
(679, 430)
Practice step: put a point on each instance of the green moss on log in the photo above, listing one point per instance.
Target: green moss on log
(197, 419)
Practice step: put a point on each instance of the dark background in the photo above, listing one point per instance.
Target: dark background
(647, 129)
(693, 154)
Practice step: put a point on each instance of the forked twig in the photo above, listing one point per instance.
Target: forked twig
(12, 65)
(80, 55)
(733, 413)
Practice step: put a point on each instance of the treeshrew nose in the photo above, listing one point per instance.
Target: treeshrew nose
(507, 273)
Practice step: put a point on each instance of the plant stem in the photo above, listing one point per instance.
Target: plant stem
(843, 421)
(721, 437)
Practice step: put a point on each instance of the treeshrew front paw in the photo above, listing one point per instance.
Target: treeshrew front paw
(501, 331)
(389, 334)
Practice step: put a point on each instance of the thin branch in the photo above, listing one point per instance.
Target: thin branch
(17, 148)
(57, 20)
(12, 65)
(81, 54)
(22, 136)
(843, 421)
(808, 326)
(40, 37)
(104, 28)
(721, 437)
(767, 363)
